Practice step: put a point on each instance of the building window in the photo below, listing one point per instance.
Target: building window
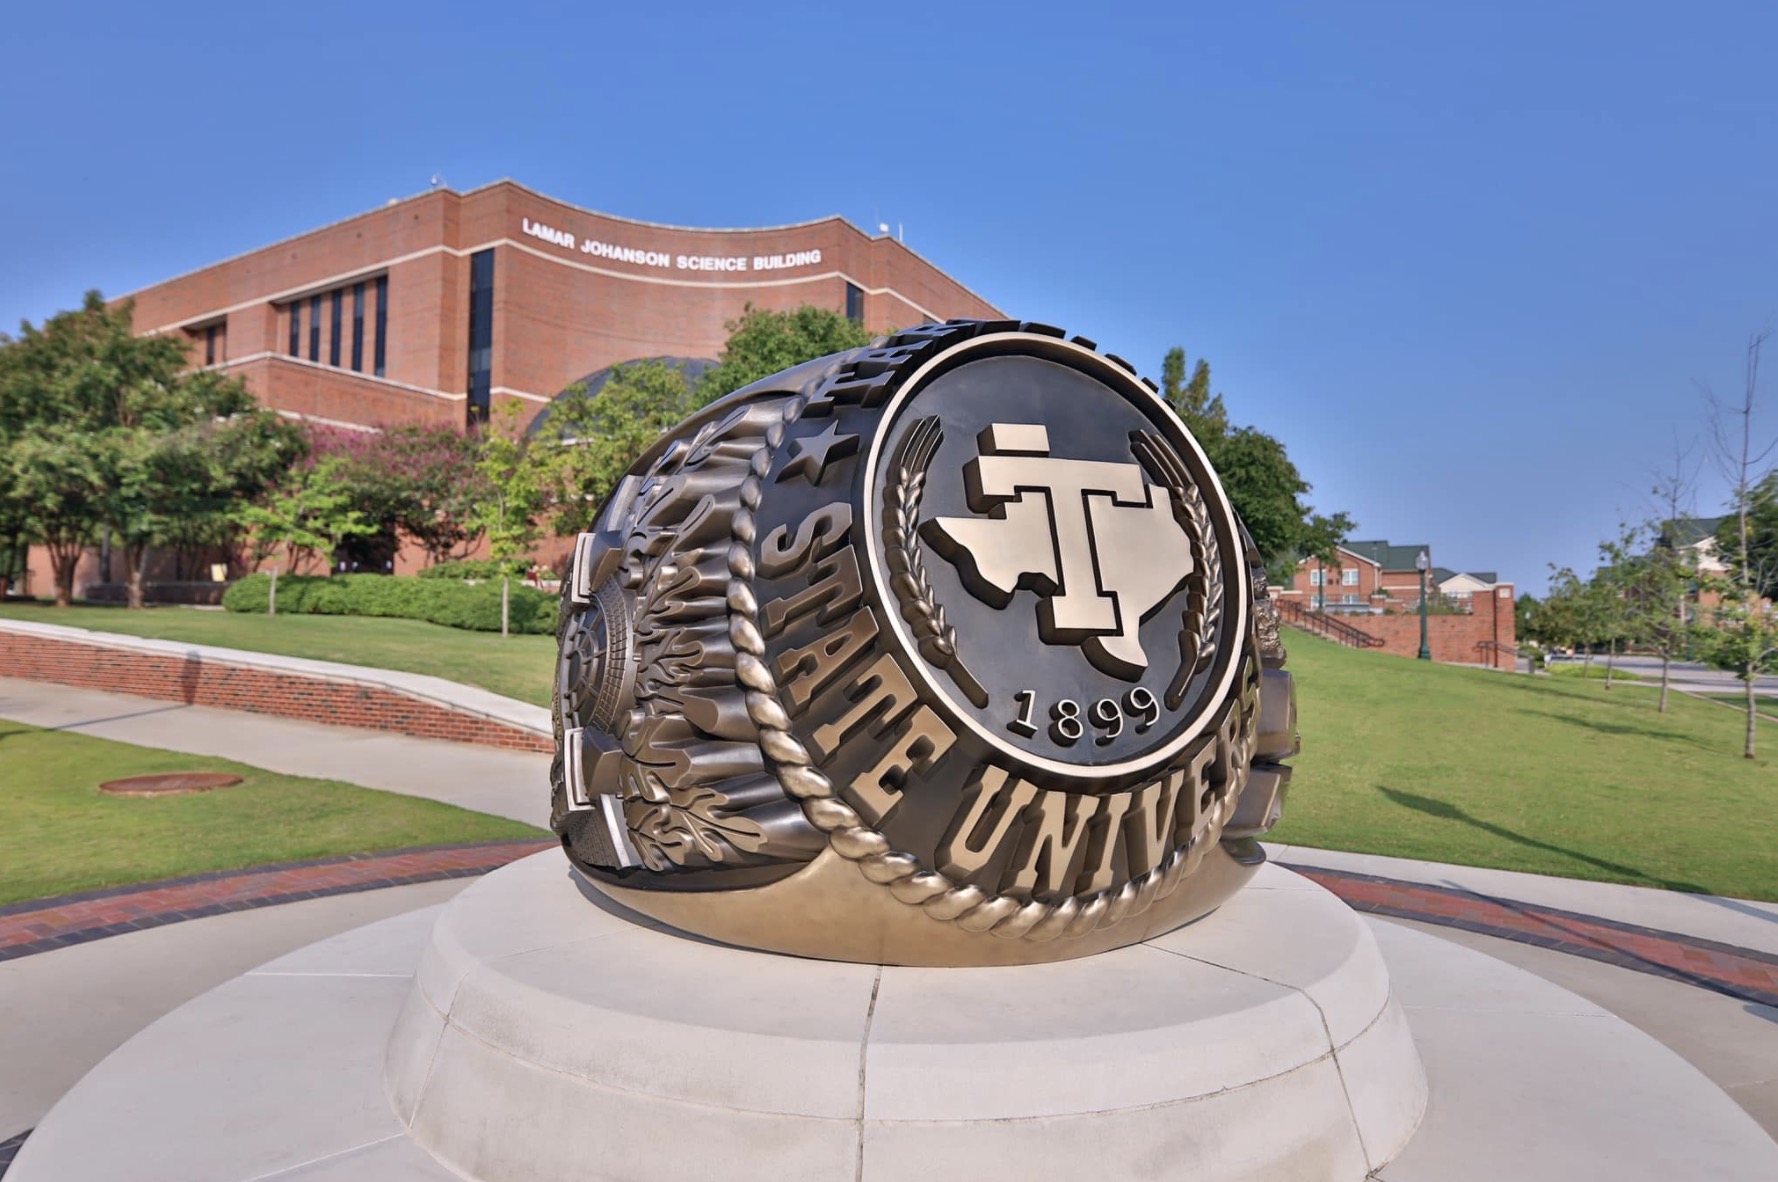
(210, 344)
(1349, 599)
(333, 328)
(481, 333)
(296, 329)
(1349, 578)
(358, 328)
(854, 304)
(382, 322)
(315, 328)
(1315, 577)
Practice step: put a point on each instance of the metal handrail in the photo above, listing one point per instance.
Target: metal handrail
(1325, 626)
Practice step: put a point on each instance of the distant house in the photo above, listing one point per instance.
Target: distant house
(1379, 577)
(1697, 537)
(1369, 596)
(1366, 578)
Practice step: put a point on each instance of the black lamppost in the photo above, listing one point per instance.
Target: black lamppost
(1423, 564)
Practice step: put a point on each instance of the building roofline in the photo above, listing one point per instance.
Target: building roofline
(396, 201)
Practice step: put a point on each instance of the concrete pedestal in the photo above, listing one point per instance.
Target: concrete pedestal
(522, 1032)
(549, 1036)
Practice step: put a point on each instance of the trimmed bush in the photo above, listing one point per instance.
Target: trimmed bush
(437, 601)
(468, 568)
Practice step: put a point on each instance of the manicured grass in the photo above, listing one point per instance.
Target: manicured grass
(59, 833)
(1554, 775)
(517, 666)
(1549, 775)
(1596, 672)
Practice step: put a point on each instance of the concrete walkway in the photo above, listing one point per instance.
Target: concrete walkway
(65, 1010)
(511, 784)
(1743, 923)
(1734, 1043)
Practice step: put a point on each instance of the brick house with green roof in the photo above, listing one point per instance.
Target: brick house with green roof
(1374, 586)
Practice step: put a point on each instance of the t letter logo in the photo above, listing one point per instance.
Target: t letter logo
(1088, 537)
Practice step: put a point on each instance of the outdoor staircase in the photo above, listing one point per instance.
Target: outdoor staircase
(1325, 626)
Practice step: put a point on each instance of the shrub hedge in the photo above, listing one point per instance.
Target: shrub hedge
(467, 568)
(438, 601)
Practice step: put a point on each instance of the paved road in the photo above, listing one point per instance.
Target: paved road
(1687, 675)
(511, 784)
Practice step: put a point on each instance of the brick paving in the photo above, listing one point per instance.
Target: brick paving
(44, 924)
(1740, 973)
(41, 925)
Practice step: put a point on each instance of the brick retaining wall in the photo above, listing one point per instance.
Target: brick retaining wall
(1451, 638)
(202, 681)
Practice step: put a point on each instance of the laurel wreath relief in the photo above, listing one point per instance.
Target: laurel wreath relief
(1203, 609)
(907, 563)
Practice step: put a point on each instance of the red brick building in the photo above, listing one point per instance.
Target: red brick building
(1374, 589)
(439, 307)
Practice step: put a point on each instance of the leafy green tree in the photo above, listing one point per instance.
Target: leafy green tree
(1762, 536)
(414, 479)
(589, 441)
(1743, 638)
(1256, 471)
(1557, 621)
(513, 499)
(762, 342)
(88, 412)
(57, 485)
(1617, 587)
(1204, 414)
(309, 513)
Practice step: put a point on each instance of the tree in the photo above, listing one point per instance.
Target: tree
(1669, 570)
(513, 498)
(762, 342)
(57, 485)
(413, 479)
(589, 441)
(1762, 536)
(1557, 621)
(1204, 414)
(1744, 638)
(310, 512)
(1616, 587)
(1256, 472)
(88, 412)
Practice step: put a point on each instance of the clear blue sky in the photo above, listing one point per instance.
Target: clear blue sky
(1469, 262)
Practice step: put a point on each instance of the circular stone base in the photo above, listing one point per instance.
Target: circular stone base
(169, 784)
(549, 1034)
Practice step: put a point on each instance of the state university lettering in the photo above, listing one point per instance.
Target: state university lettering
(946, 639)
(643, 257)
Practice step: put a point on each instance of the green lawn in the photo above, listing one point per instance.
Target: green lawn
(1550, 775)
(59, 833)
(1554, 775)
(517, 666)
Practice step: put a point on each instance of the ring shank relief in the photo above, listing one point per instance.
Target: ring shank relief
(802, 767)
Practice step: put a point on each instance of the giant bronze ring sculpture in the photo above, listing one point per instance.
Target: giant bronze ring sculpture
(946, 651)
